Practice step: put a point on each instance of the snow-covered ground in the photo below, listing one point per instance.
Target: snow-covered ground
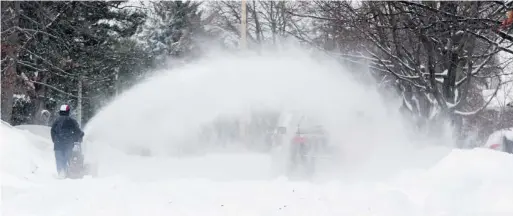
(465, 182)
(385, 168)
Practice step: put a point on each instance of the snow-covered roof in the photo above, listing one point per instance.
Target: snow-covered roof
(504, 97)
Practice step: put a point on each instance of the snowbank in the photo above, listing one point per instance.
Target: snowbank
(41, 131)
(24, 155)
(470, 182)
(464, 182)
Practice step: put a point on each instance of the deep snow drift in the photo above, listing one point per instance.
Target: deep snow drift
(466, 182)
(384, 170)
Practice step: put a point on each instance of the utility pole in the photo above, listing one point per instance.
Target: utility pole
(243, 28)
(79, 102)
(116, 84)
(243, 125)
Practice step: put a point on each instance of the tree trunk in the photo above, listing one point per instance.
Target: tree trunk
(451, 54)
(10, 74)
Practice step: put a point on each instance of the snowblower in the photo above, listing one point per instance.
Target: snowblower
(76, 166)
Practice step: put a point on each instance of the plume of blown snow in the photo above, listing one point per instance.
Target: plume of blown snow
(164, 114)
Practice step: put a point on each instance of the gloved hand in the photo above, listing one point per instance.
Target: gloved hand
(81, 137)
(76, 148)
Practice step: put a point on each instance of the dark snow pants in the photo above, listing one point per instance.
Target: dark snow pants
(62, 158)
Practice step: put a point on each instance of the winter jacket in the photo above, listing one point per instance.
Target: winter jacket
(65, 131)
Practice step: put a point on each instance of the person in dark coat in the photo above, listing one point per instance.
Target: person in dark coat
(65, 132)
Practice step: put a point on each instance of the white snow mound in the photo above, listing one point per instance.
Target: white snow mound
(465, 182)
(24, 155)
(471, 182)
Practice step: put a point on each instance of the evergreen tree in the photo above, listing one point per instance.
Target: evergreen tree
(173, 29)
(56, 45)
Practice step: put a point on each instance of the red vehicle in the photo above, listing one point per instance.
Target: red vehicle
(501, 140)
(305, 148)
(299, 139)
